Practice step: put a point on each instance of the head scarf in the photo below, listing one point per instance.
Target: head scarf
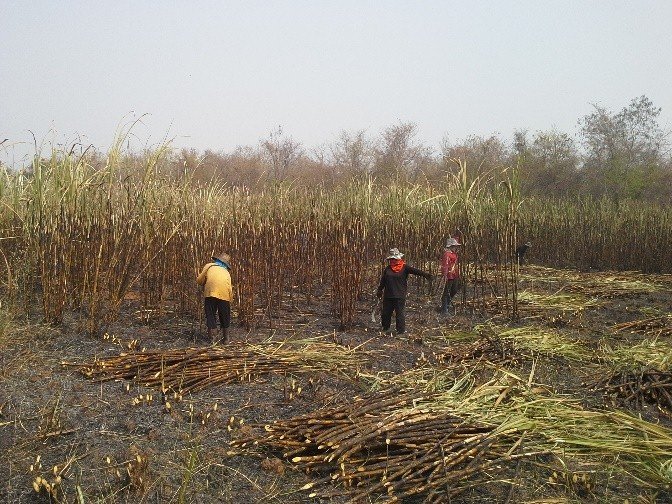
(221, 263)
(397, 265)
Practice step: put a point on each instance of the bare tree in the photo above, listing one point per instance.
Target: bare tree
(399, 154)
(548, 163)
(483, 154)
(282, 152)
(352, 155)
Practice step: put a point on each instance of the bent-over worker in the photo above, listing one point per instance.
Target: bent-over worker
(218, 291)
(520, 252)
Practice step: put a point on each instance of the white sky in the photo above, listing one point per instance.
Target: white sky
(218, 74)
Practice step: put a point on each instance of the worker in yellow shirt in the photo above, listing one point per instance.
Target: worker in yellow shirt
(218, 291)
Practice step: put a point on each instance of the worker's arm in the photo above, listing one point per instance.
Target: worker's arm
(415, 271)
(451, 265)
(445, 264)
(381, 285)
(200, 280)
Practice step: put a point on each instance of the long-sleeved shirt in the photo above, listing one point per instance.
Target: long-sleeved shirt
(216, 281)
(449, 266)
(394, 284)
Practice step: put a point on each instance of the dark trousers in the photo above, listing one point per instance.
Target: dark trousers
(398, 306)
(215, 306)
(449, 291)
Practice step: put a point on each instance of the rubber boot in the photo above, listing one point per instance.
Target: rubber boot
(224, 334)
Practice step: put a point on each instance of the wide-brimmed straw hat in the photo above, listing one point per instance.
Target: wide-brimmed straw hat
(452, 242)
(394, 254)
(224, 257)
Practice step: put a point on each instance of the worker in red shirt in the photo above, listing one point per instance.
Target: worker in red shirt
(450, 271)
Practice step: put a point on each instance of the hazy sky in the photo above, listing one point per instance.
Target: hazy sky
(218, 74)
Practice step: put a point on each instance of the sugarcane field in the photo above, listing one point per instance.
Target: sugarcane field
(335, 252)
(533, 375)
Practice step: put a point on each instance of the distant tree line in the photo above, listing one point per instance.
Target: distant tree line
(620, 155)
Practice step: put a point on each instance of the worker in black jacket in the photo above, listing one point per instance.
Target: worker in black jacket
(393, 287)
(520, 252)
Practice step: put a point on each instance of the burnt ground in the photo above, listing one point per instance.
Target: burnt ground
(54, 421)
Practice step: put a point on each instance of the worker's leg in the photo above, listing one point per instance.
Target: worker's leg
(386, 313)
(453, 286)
(445, 298)
(224, 309)
(400, 312)
(210, 305)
